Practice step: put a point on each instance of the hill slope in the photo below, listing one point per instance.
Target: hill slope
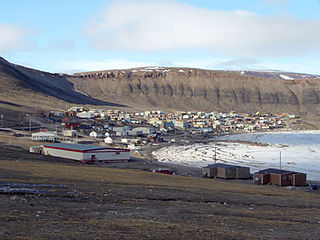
(195, 89)
(164, 88)
(20, 85)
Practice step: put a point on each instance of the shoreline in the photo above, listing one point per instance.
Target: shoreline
(248, 153)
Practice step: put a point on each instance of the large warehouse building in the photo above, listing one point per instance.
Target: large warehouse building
(82, 152)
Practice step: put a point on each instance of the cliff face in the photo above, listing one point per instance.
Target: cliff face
(165, 89)
(194, 89)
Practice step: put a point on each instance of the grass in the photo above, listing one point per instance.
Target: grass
(60, 172)
(131, 211)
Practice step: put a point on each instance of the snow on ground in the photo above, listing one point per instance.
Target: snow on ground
(300, 151)
(286, 77)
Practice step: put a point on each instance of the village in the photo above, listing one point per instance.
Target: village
(97, 135)
(130, 128)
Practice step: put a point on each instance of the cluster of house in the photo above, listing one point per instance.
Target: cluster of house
(197, 121)
(130, 128)
(218, 122)
(267, 176)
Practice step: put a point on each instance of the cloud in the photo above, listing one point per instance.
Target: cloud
(91, 65)
(147, 26)
(14, 38)
(239, 63)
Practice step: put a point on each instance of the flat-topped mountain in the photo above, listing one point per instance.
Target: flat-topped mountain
(197, 89)
(165, 89)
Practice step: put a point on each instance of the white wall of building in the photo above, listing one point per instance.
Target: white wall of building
(102, 155)
(108, 156)
(63, 153)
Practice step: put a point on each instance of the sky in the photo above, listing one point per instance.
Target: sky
(81, 35)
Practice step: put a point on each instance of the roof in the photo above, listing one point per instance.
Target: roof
(47, 133)
(224, 165)
(82, 147)
(274, 170)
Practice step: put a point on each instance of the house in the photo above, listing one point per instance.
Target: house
(69, 133)
(226, 171)
(108, 140)
(95, 134)
(85, 115)
(180, 124)
(280, 177)
(72, 124)
(121, 131)
(139, 131)
(45, 136)
(36, 149)
(75, 109)
(85, 153)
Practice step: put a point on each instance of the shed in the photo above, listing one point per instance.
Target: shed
(69, 133)
(280, 177)
(83, 152)
(226, 171)
(36, 149)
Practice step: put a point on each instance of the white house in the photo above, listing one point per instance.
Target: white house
(69, 133)
(108, 140)
(85, 115)
(95, 134)
(44, 136)
(75, 109)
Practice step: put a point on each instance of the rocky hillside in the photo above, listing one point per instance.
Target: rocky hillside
(195, 89)
(165, 89)
(21, 85)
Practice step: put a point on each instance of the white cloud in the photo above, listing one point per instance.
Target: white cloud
(203, 63)
(91, 65)
(238, 63)
(14, 38)
(169, 25)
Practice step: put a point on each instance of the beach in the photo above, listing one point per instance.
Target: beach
(288, 150)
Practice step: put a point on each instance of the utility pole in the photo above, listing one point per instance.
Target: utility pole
(1, 119)
(29, 123)
(215, 155)
(280, 159)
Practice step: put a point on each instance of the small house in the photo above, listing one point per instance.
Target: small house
(226, 171)
(108, 140)
(44, 136)
(36, 149)
(69, 133)
(85, 115)
(95, 134)
(280, 177)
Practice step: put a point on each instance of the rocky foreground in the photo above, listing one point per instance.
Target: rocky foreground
(44, 197)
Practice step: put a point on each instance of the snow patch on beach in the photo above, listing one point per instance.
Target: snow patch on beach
(300, 151)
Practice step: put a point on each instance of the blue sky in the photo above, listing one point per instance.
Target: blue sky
(59, 36)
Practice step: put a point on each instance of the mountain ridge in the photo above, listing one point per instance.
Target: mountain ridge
(166, 89)
(197, 89)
